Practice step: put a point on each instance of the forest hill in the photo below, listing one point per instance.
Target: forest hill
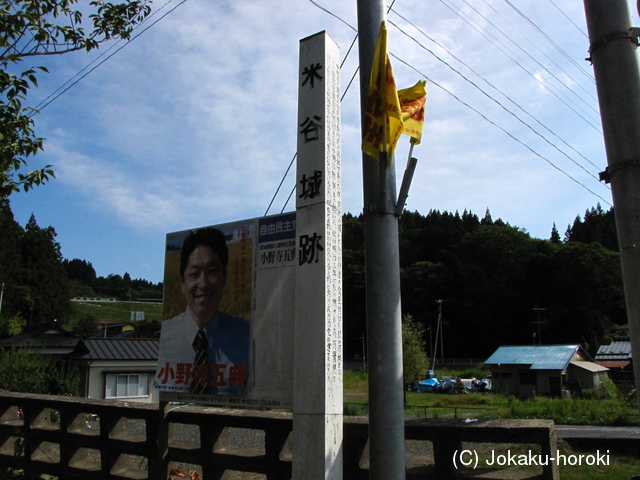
(490, 276)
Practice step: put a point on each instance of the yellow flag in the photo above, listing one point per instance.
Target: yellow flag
(382, 121)
(412, 102)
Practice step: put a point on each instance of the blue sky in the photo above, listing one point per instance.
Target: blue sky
(194, 122)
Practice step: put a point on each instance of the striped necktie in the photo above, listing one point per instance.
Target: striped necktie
(200, 364)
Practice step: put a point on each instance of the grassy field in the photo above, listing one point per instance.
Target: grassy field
(574, 411)
(119, 312)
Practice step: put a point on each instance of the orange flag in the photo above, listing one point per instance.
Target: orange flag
(382, 121)
(412, 103)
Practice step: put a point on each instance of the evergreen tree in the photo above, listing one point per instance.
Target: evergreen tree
(353, 284)
(597, 226)
(80, 270)
(555, 236)
(487, 220)
(580, 287)
(10, 259)
(45, 290)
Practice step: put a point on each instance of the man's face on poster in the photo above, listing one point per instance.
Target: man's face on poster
(203, 283)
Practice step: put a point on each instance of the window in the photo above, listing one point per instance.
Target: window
(127, 385)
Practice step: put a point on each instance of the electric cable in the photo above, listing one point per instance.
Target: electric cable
(547, 37)
(492, 98)
(69, 84)
(513, 137)
(589, 76)
(495, 124)
(569, 19)
(510, 54)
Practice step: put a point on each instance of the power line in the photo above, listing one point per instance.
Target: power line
(341, 99)
(280, 186)
(569, 18)
(579, 67)
(71, 83)
(512, 136)
(547, 37)
(511, 55)
(492, 98)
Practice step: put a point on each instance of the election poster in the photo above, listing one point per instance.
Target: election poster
(227, 333)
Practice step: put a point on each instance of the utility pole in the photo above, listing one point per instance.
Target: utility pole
(439, 328)
(435, 345)
(538, 309)
(441, 331)
(384, 327)
(613, 45)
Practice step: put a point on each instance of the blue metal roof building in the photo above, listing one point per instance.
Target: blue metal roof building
(526, 370)
(538, 357)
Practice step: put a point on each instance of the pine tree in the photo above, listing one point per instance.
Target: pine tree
(45, 287)
(10, 264)
(555, 236)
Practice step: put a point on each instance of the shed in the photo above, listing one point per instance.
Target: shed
(118, 368)
(618, 358)
(544, 370)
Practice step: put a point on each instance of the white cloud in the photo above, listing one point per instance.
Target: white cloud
(194, 122)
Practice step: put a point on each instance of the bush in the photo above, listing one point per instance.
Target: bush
(610, 388)
(27, 372)
(414, 357)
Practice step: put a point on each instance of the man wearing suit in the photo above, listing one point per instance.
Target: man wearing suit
(204, 350)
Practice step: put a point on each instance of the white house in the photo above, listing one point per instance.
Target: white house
(118, 368)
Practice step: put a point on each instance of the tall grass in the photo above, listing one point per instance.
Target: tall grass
(591, 410)
(574, 411)
(355, 382)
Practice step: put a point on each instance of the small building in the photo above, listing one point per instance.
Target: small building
(107, 328)
(118, 368)
(617, 357)
(553, 370)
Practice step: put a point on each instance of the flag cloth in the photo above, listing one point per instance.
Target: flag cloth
(412, 102)
(382, 125)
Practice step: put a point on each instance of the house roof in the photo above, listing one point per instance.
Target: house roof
(617, 350)
(538, 357)
(117, 349)
(46, 340)
(590, 366)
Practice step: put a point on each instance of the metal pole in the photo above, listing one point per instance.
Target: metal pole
(384, 329)
(441, 331)
(615, 65)
(435, 344)
(364, 355)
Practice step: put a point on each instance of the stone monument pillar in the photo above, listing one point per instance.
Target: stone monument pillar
(317, 394)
